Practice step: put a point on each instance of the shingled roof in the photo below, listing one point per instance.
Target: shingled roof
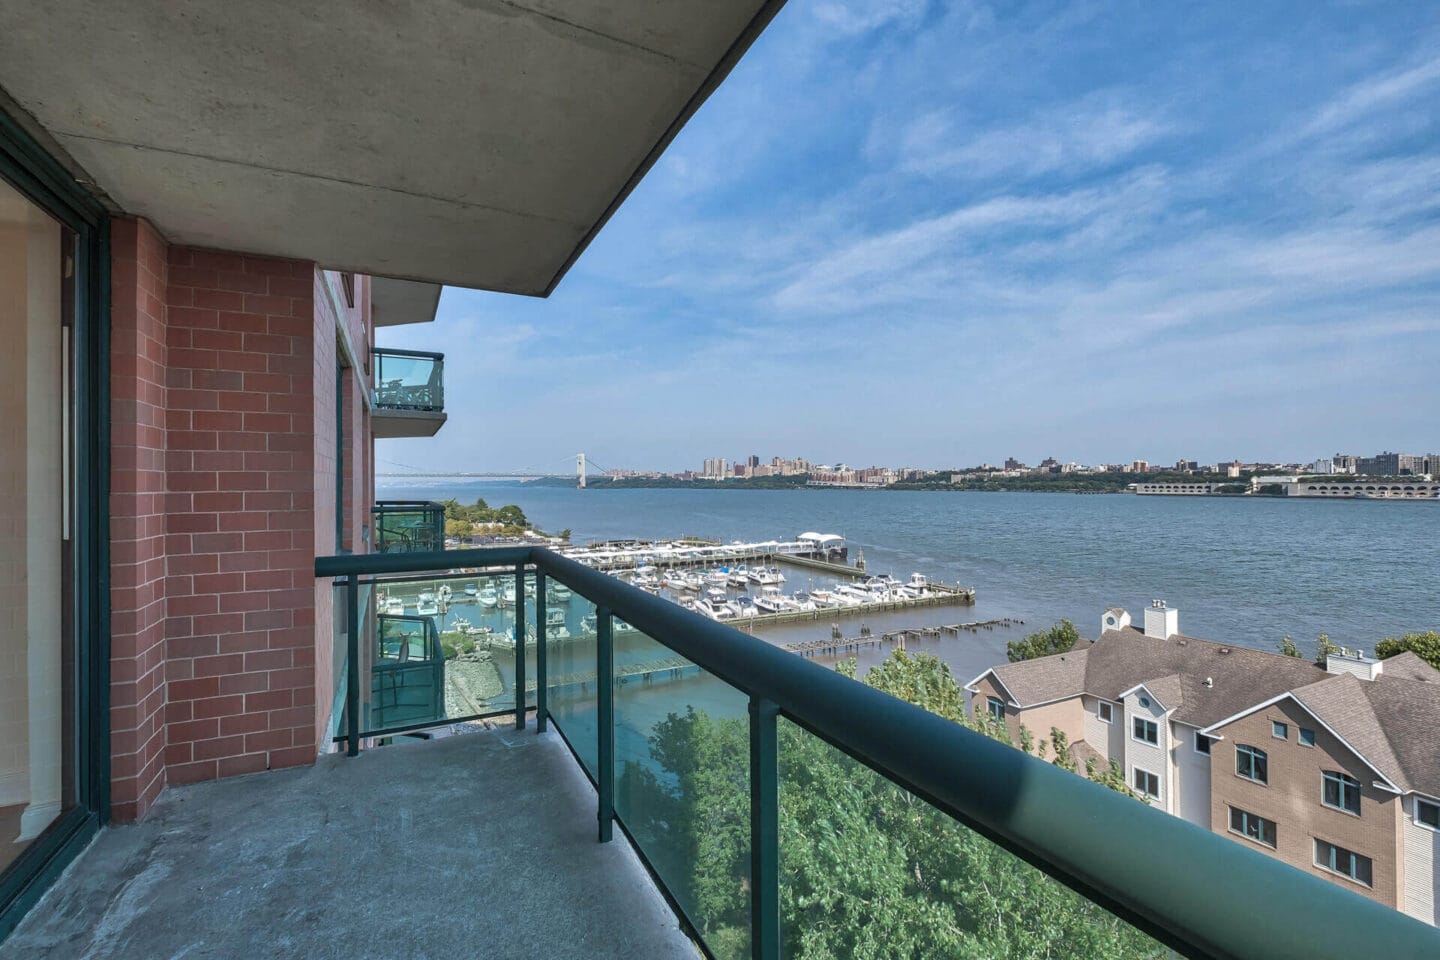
(1393, 722)
(1121, 659)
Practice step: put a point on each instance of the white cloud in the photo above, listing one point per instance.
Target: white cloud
(1362, 100)
(1091, 133)
(862, 16)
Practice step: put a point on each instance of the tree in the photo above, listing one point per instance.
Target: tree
(1042, 643)
(1289, 647)
(458, 528)
(1324, 646)
(1425, 645)
(868, 871)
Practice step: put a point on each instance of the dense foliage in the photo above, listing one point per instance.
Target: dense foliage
(868, 871)
(461, 518)
(1042, 643)
(1425, 645)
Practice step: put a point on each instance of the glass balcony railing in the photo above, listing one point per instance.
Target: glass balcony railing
(412, 380)
(789, 810)
(408, 526)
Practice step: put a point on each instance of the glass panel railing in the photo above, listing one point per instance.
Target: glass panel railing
(408, 526)
(341, 617)
(409, 380)
(682, 784)
(438, 650)
(570, 674)
(868, 869)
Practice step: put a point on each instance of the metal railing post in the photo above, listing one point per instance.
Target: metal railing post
(764, 831)
(352, 667)
(520, 644)
(541, 613)
(605, 722)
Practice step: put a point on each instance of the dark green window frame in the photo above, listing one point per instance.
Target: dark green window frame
(1253, 827)
(1340, 791)
(996, 708)
(45, 182)
(1347, 863)
(1252, 763)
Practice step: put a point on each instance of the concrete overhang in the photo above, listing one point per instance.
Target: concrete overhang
(393, 302)
(479, 143)
(393, 424)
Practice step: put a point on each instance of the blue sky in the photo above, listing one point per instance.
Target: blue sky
(913, 232)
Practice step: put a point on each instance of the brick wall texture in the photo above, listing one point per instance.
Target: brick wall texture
(219, 506)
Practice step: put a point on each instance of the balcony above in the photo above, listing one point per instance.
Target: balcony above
(394, 302)
(474, 845)
(409, 397)
(408, 526)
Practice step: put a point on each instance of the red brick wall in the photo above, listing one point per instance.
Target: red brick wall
(137, 522)
(241, 515)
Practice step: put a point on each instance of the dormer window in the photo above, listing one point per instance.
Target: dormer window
(1106, 711)
(1145, 731)
(1252, 763)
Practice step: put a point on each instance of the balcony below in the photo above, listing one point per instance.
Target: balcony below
(409, 396)
(476, 845)
(408, 526)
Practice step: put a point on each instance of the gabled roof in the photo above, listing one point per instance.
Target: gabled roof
(1392, 722)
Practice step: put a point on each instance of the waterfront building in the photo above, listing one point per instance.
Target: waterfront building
(1234, 468)
(1175, 489)
(1334, 770)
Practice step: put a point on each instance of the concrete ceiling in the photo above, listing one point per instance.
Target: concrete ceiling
(479, 143)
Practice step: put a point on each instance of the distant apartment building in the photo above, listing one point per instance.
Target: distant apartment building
(1234, 468)
(1392, 465)
(1140, 466)
(1334, 770)
(1012, 464)
(1345, 463)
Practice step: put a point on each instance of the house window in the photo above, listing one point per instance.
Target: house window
(996, 706)
(1146, 730)
(1147, 783)
(1280, 731)
(1202, 743)
(1427, 813)
(1307, 737)
(1340, 791)
(1252, 763)
(1344, 862)
(1106, 711)
(1256, 828)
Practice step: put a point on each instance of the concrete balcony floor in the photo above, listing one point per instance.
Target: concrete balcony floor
(480, 845)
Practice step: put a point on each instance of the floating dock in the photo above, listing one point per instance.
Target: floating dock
(838, 645)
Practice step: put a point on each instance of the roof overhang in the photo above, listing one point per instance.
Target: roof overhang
(479, 143)
(393, 302)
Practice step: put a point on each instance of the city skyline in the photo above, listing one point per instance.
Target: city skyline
(906, 234)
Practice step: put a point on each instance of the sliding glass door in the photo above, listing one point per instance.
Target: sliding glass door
(54, 760)
(37, 648)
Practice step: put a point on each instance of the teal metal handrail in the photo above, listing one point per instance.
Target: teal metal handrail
(408, 526)
(409, 379)
(1177, 882)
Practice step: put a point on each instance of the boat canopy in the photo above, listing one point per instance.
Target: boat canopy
(822, 537)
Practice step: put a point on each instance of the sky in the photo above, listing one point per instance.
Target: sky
(936, 234)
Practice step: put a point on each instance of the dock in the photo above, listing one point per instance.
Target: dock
(838, 644)
(646, 672)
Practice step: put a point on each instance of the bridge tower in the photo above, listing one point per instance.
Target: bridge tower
(580, 470)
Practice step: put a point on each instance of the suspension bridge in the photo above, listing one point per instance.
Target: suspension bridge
(582, 467)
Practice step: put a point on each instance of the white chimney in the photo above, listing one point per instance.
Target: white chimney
(1354, 662)
(1161, 622)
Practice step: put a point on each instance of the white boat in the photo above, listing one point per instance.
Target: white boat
(507, 594)
(460, 625)
(743, 606)
(487, 597)
(560, 592)
(717, 595)
(426, 606)
(716, 578)
(918, 582)
(771, 600)
(588, 622)
(852, 596)
(767, 576)
(824, 598)
(738, 576)
(472, 590)
(393, 606)
(553, 617)
(714, 611)
(445, 593)
(802, 601)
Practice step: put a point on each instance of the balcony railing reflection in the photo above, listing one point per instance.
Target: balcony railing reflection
(409, 380)
(408, 526)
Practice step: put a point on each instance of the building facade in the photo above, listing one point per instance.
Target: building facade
(1334, 770)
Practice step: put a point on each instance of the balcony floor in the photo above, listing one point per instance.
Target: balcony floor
(481, 845)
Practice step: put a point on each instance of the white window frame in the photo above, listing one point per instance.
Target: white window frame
(1209, 744)
(1280, 730)
(1136, 721)
(1415, 812)
(1136, 787)
(1300, 736)
(1105, 710)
